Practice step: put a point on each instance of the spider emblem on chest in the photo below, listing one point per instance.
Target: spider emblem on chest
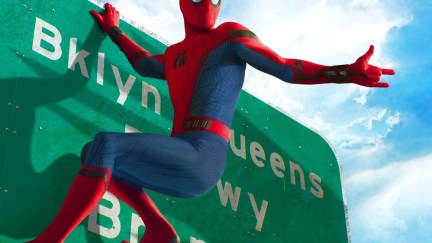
(180, 60)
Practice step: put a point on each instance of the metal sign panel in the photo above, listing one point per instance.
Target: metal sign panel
(62, 81)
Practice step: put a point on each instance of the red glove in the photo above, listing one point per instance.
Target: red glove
(367, 75)
(109, 19)
(109, 22)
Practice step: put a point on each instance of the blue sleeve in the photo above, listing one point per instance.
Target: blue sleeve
(150, 67)
(263, 63)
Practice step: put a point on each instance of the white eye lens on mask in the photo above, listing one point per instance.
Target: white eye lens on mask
(215, 2)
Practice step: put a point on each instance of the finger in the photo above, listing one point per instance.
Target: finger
(381, 85)
(96, 15)
(372, 84)
(368, 54)
(110, 7)
(388, 71)
(114, 10)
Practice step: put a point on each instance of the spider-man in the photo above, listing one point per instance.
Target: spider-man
(205, 73)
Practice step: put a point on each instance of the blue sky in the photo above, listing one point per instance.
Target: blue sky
(399, 181)
(411, 46)
(382, 136)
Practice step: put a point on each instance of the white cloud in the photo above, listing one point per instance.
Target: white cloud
(362, 142)
(393, 120)
(367, 122)
(360, 94)
(390, 201)
(323, 30)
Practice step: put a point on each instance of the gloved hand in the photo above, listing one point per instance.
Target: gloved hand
(367, 75)
(109, 19)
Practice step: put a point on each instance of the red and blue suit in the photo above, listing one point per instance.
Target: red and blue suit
(205, 73)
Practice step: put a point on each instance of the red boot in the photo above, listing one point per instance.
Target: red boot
(158, 229)
(85, 193)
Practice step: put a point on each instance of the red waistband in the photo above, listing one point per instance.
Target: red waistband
(208, 124)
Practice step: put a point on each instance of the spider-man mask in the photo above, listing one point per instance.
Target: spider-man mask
(200, 15)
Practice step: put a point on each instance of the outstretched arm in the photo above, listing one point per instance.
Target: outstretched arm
(142, 61)
(254, 52)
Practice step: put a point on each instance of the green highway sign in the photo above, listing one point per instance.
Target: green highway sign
(62, 81)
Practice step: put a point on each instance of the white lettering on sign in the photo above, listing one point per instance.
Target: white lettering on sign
(123, 89)
(277, 164)
(257, 154)
(111, 213)
(259, 214)
(293, 168)
(241, 152)
(195, 240)
(46, 42)
(136, 223)
(100, 69)
(75, 58)
(54, 40)
(146, 89)
(316, 181)
(130, 129)
(226, 193)
(115, 226)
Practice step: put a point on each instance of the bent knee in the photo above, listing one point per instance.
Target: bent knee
(105, 142)
(101, 152)
(207, 179)
(202, 186)
(84, 152)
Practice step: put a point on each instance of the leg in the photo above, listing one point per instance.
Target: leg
(158, 229)
(85, 193)
(173, 166)
(185, 167)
